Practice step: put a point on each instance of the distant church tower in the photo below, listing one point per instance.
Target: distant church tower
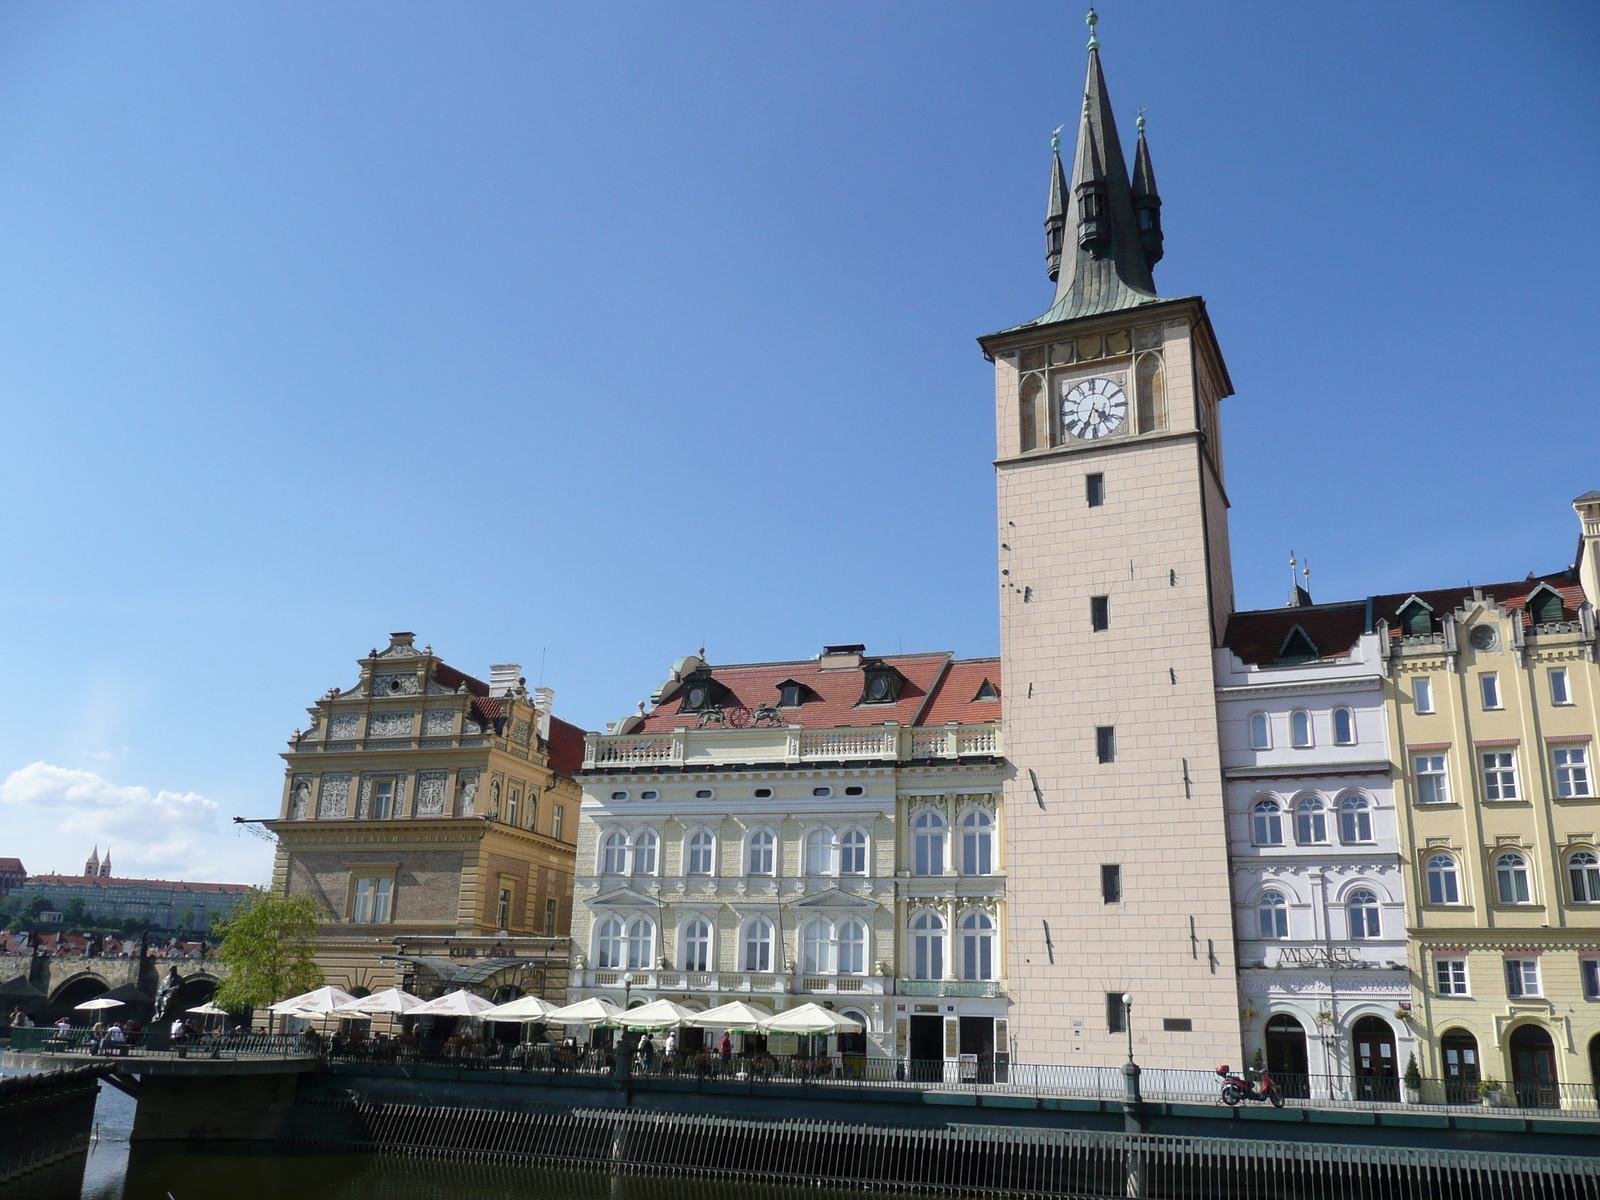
(92, 868)
(105, 865)
(1116, 583)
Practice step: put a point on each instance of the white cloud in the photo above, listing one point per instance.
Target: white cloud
(54, 816)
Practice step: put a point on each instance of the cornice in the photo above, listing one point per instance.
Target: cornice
(1310, 770)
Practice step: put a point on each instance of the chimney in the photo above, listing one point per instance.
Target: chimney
(1587, 506)
(841, 658)
(504, 678)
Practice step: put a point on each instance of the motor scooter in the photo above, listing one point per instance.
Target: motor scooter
(1236, 1089)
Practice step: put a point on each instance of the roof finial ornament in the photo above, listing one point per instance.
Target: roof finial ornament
(1055, 139)
(1091, 21)
(1140, 122)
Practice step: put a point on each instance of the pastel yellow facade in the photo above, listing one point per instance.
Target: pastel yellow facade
(1493, 693)
(430, 817)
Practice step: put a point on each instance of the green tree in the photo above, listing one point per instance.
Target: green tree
(266, 947)
(74, 914)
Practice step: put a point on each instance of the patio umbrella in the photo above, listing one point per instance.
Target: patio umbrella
(208, 1009)
(735, 1014)
(658, 1014)
(524, 1008)
(312, 1004)
(99, 1002)
(810, 1018)
(460, 1003)
(596, 1010)
(390, 1000)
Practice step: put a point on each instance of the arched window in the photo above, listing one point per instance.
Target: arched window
(1511, 878)
(758, 945)
(616, 854)
(929, 827)
(641, 944)
(1443, 883)
(701, 848)
(1300, 729)
(1344, 727)
(1364, 914)
(1355, 819)
(697, 945)
(977, 946)
(1583, 868)
(816, 948)
(611, 949)
(853, 853)
(1268, 823)
(1028, 412)
(1260, 732)
(1151, 398)
(820, 852)
(760, 857)
(977, 843)
(1274, 914)
(644, 853)
(1310, 821)
(852, 948)
(927, 946)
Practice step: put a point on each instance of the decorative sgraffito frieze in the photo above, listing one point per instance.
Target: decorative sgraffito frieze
(344, 726)
(395, 685)
(438, 722)
(431, 793)
(334, 800)
(390, 724)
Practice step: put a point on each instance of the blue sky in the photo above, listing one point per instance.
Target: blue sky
(592, 334)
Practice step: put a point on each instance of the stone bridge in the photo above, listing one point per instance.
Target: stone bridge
(48, 987)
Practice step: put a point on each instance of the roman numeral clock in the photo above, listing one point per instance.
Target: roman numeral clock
(1093, 408)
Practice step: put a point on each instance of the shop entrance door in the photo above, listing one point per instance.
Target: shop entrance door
(1286, 1057)
(927, 1049)
(1459, 1050)
(977, 1039)
(1377, 1077)
(1533, 1067)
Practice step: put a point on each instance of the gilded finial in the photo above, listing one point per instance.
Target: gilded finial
(1091, 21)
(1055, 139)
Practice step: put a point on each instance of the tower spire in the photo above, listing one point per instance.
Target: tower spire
(1103, 264)
(1146, 200)
(1055, 218)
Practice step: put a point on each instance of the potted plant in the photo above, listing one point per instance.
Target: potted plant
(1249, 1014)
(1493, 1093)
(1413, 1081)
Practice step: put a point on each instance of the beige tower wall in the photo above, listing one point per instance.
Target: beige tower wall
(1157, 548)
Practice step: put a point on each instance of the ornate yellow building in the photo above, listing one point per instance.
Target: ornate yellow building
(1493, 691)
(433, 817)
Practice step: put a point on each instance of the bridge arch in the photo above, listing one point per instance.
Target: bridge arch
(72, 992)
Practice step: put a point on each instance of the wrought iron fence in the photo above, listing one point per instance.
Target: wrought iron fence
(223, 1044)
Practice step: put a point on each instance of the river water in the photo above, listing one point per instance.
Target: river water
(251, 1171)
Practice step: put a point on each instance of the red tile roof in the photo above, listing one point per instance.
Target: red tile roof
(448, 676)
(834, 694)
(955, 696)
(566, 747)
(487, 709)
(12, 864)
(1511, 596)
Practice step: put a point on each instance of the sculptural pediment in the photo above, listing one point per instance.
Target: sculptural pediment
(622, 897)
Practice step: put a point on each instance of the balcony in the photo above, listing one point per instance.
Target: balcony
(740, 983)
(982, 989)
(714, 747)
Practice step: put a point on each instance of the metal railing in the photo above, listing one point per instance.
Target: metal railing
(229, 1045)
(745, 744)
(985, 1073)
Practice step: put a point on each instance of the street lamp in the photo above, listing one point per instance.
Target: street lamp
(625, 1047)
(1130, 1069)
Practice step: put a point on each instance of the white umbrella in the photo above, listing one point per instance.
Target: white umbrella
(524, 1008)
(735, 1014)
(594, 1011)
(810, 1018)
(312, 1004)
(208, 1009)
(460, 1003)
(99, 1002)
(390, 1000)
(658, 1014)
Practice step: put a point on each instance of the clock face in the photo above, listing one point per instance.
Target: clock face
(1093, 408)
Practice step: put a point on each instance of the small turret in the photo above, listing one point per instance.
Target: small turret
(1055, 220)
(92, 867)
(1146, 200)
(105, 865)
(1089, 186)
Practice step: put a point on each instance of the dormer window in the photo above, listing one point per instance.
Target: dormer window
(701, 692)
(1545, 605)
(792, 693)
(987, 692)
(882, 684)
(1416, 618)
(1298, 648)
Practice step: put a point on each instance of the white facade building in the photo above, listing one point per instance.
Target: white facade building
(825, 830)
(1319, 904)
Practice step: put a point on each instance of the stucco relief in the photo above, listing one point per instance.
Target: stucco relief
(438, 722)
(334, 800)
(431, 793)
(344, 726)
(469, 725)
(390, 724)
(395, 685)
(521, 731)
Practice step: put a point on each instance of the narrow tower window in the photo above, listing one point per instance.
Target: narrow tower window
(1105, 743)
(1152, 393)
(1111, 883)
(1099, 613)
(1028, 412)
(1094, 490)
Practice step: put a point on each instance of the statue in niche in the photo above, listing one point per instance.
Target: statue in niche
(301, 802)
(468, 796)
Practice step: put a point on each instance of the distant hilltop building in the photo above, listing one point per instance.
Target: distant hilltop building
(162, 903)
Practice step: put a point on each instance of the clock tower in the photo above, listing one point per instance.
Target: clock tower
(1116, 584)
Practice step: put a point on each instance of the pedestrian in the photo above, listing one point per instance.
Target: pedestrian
(97, 1037)
(63, 1027)
(726, 1049)
(17, 1017)
(671, 1053)
(115, 1041)
(177, 1031)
